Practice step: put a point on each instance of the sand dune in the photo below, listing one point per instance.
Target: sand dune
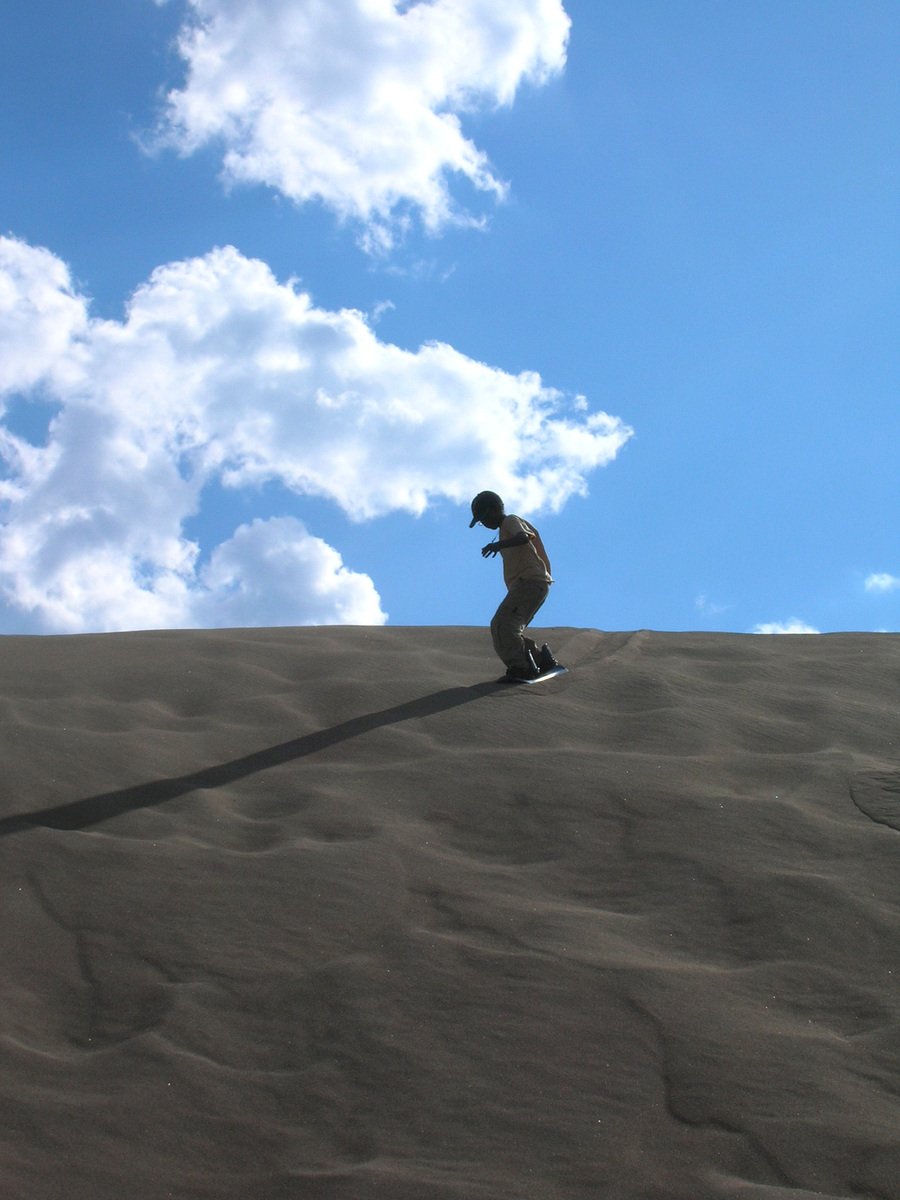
(327, 913)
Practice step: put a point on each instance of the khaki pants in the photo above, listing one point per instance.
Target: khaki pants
(517, 610)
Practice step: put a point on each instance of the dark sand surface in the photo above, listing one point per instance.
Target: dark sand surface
(325, 913)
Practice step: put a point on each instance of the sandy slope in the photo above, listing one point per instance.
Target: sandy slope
(324, 913)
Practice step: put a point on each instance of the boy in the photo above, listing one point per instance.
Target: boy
(526, 572)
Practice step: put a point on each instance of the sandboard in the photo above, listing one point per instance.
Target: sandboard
(537, 679)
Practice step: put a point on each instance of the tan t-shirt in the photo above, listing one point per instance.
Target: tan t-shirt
(529, 561)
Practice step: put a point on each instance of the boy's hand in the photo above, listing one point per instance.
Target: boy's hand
(492, 548)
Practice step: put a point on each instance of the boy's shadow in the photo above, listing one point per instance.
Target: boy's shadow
(81, 814)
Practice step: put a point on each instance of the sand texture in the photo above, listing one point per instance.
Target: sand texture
(328, 914)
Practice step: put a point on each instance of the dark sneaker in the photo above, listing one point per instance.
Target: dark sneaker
(530, 671)
(546, 661)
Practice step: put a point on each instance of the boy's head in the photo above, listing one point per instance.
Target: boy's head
(487, 507)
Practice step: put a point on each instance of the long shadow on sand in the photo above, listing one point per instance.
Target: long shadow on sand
(81, 814)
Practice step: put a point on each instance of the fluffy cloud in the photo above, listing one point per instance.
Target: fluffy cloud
(270, 568)
(219, 372)
(882, 582)
(794, 625)
(357, 103)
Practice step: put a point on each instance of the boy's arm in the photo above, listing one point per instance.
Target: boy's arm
(518, 539)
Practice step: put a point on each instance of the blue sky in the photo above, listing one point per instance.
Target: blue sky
(282, 285)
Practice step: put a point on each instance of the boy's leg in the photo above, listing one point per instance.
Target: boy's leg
(516, 611)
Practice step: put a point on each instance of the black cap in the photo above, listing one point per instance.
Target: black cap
(482, 501)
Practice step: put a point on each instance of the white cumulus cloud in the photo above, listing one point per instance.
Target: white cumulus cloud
(794, 625)
(272, 567)
(219, 372)
(357, 103)
(882, 582)
(40, 315)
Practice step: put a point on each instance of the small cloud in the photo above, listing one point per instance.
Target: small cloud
(708, 607)
(794, 625)
(882, 583)
(382, 307)
(273, 572)
(419, 270)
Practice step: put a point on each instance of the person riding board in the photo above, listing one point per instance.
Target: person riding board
(526, 572)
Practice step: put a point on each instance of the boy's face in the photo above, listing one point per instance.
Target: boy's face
(491, 518)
